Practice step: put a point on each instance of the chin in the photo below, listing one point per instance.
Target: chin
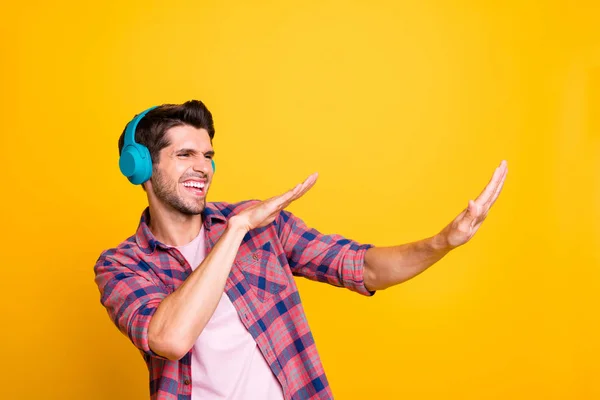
(193, 210)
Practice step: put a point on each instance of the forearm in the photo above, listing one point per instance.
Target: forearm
(388, 266)
(182, 315)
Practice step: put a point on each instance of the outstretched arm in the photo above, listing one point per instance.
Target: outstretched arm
(388, 266)
(181, 316)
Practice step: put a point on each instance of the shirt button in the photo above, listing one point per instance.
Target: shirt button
(255, 257)
(187, 381)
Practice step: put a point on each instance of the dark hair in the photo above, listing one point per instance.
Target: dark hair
(152, 128)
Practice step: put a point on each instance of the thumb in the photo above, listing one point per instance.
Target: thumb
(473, 212)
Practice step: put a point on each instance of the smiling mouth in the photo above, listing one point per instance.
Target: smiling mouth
(197, 188)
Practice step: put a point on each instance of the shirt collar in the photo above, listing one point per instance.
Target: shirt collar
(148, 243)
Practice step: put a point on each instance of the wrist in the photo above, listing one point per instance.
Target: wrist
(237, 224)
(439, 243)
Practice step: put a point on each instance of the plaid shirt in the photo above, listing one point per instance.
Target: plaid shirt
(137, 275)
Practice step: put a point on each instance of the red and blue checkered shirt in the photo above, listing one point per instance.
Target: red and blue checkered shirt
(137, 275)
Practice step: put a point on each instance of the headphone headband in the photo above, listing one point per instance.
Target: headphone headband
(132, 125)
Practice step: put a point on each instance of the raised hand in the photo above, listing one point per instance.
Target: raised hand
(265, 212)
(466, 224)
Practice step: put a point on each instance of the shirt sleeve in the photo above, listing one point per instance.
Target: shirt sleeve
(130, 299)
(326, 258)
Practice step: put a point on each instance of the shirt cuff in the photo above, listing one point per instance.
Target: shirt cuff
(355, 279)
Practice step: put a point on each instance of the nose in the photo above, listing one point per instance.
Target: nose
(203, 165)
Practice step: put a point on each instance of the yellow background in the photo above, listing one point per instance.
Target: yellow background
(405, 108)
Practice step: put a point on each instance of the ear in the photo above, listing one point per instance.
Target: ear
(147, 185)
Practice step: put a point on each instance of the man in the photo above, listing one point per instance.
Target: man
(206, 290)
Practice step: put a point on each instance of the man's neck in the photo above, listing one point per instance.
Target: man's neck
(173, 228)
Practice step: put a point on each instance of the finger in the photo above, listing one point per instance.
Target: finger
(302, 188)
(472, 213)
(478, 213)
(473, 210)
(306, 186)
(276, 201)
(494, 197)
(499, 188)
(282, 201)
(489, 190)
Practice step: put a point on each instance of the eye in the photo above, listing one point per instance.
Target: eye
(209, 156)
(184, 154)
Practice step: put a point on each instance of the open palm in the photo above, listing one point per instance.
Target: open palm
(264, 212)
(466, 224)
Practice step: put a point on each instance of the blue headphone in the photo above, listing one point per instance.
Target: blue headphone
(135, 162)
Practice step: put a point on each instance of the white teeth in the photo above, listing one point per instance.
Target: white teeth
(198, 185)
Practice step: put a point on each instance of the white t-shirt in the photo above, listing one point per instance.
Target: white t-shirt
(226, 362)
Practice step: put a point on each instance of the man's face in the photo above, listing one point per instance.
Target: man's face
(183, 173)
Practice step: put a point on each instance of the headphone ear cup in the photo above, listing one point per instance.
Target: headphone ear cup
(146, 167)
(214, 166)
(135, 163)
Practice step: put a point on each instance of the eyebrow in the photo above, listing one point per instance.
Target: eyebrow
(194, 151)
